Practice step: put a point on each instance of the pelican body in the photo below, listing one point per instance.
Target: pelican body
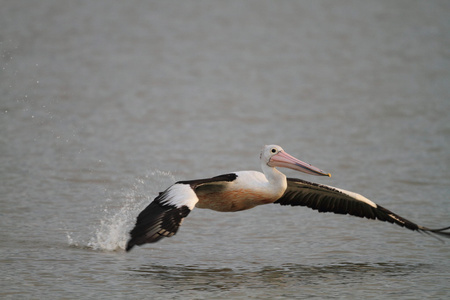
(246, 189)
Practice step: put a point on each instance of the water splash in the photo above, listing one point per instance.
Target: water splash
(111, 232)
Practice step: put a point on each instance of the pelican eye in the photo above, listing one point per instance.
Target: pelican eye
(274, 150)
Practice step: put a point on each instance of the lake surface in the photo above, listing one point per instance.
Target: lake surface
(103, 104)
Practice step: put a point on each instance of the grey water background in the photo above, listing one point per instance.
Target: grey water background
(105, 103)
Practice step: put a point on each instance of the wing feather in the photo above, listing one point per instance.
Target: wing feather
(325, 198)
(159, 219)
(164, 215)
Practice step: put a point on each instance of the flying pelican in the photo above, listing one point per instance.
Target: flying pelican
(247, 189)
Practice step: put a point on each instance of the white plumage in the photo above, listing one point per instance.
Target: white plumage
(247, 189)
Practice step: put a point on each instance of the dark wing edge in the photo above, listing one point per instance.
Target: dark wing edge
(164, 215)
(329, 199)
(220, 178)
(156, 221)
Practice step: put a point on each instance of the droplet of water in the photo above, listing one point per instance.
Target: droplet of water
(112, 231)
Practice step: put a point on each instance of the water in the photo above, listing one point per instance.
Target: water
(104, 104)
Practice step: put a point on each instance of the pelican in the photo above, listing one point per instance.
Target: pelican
(246, 189)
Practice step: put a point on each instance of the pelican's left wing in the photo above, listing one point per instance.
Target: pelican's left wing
(330, 199)
(164, 215)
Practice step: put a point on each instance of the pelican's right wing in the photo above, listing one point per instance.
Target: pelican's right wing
(164, 215)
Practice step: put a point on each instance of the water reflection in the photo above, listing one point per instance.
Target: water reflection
(192, 277)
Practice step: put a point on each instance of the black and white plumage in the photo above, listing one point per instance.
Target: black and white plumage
(247, 189)
(166, 212)
(325, 198)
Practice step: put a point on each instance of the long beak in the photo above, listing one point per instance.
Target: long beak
(284, 160)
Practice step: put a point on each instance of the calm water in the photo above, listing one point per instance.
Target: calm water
(105, 103)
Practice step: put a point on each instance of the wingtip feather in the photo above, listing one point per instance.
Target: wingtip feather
(440, 231)
(130, 246)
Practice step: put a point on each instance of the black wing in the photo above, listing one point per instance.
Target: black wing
(164, 215)
(329, 199)
(156, 221)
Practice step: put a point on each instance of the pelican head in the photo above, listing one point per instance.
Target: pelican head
(274, 156)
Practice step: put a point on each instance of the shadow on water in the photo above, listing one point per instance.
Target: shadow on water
(211, 279)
